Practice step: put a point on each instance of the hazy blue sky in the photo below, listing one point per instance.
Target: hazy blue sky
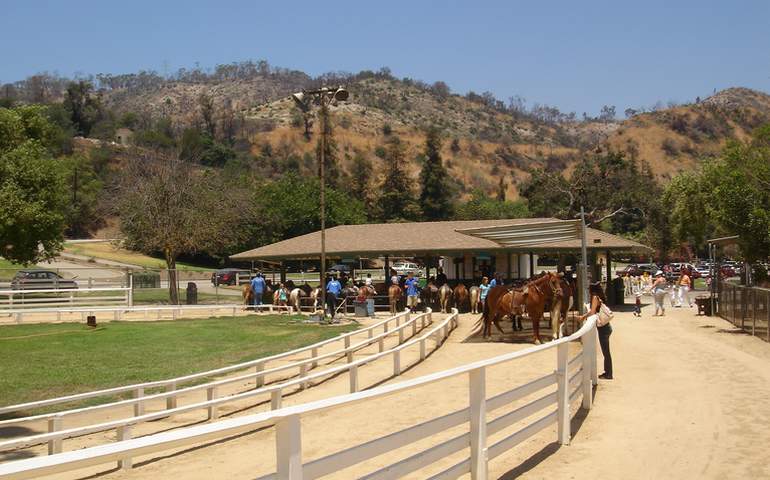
(575, 55)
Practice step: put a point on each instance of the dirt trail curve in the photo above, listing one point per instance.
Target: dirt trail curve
(691, 399)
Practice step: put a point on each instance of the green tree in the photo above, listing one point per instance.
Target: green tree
(360, 179)
(84, 108)
(31, 189)
(82, 187)
(482, 207)
(396, 199)
(332, 172)
(435, 192)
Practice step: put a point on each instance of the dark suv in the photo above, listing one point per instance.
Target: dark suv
(227, 276)
(41, 280)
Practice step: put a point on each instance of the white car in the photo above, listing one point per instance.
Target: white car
(404, 268)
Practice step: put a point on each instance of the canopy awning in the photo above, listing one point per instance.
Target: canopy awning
(528, 235)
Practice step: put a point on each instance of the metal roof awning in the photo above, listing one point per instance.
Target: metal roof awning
(528, 235)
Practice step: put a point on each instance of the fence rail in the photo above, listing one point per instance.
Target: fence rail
(748, 308)
(573, 378)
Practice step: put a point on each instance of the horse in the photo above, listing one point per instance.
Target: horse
(429, 294)
(295, 297)
(445, 297)
(394, 295)
(537, 293)
(501, 302)
(317, 295)
(475, 294)
(248, 296)
(560, 308)
(460, 295)
(367, 291)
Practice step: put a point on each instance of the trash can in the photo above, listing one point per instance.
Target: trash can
(363, 308)
(192, 293)
(619, 290)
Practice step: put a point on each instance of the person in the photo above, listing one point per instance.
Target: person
(484, 287)
(493, 283)
(257, 288)
(597, 299)
(333, 289)
(684, 288)
(646, 282)
(638, 305)
(368, 281)
(283, 295)
(659, 294)
(412, 291)
(394, 280)
(441, 277)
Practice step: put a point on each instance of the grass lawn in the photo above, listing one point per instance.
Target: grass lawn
(50, 360)
(159, 296)
(8, 269)
(108, 251)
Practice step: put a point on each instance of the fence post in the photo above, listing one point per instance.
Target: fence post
(562, 395)
(754, 305)
(124, 433)
(54, 425)
(276, 399)
(381, 344)
(260, 378)
(171, 401)
(478, 423)
(347, 342)
(288, 445)
(303, 374)
(589, 352)
(314, 354)
(211, 394)
(767, 312)
(353, 370)
(422, 349)
(401, 335)
(139, 406)
(397, 362)
(130, 288)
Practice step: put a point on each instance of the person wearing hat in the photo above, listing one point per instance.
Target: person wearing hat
(659, 293)
(597, 299)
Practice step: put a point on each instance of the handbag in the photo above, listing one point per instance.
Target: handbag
(605, 315)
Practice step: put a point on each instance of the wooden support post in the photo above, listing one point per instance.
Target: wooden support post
(589, 350)
(314, 354)
(276, 399)
(478, 423)
(171, 401)
(422, 349)
(562, 396)
(381, 344)
(347, 342)
(139, 406)
(260, 367)
(303, 374)
(124, 433)
(397, 362)
(288, 444)
(54, 425)
(211, 394)
(353, 378)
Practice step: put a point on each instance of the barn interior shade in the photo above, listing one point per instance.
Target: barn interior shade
(528, 235)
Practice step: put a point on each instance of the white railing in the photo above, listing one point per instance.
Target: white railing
(56, 434)
(573, 378)
(171, 384)
(34, 299)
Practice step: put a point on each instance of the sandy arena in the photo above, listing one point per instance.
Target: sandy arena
(690, 399)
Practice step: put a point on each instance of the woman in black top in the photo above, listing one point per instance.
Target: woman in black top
(597, 298)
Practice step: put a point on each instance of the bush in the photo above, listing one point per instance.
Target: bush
(670, 147)
(387, 129)
(146, 279)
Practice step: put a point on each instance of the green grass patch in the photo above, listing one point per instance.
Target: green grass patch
(108, 251)
(50, 360)
(8, 269)
(159, 296)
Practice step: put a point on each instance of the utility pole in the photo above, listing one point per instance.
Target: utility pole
(324, 119)
(583, 262)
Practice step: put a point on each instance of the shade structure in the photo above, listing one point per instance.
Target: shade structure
(528, 235)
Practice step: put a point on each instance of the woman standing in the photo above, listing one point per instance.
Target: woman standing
(484, 287)
(685, 284)
(597, 299)
(659, 294)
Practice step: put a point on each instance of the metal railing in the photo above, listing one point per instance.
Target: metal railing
(573, 378)
(748, 308)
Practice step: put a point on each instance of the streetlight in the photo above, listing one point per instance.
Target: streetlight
(305, 100)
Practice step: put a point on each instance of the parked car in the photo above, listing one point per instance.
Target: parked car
(404, 268)
(339, 268)
(41, 280)
(638, 269)
(228, 276)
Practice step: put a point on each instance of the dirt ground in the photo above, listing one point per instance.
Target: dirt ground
(690, 399)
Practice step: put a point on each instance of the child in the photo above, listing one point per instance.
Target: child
(638, 306)
(282, 296)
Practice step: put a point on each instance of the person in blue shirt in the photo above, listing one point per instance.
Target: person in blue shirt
(333, 289)
(257, 288)
(412, 291)
(484, 287)
(493, 283)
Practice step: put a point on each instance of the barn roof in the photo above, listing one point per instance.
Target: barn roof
(422, 238)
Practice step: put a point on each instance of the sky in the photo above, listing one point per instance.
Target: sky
(577, 56)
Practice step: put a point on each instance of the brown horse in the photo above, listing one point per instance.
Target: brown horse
(560, 307)
(501, 302)
(248, 296)
(445, 297)
(538, 292)
(429, 295)
(461, 297)
(394, 296)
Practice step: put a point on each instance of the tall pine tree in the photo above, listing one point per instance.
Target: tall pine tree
(332, 170)
(435, 191)
(396, 199)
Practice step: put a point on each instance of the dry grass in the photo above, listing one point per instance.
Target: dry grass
(109, 251)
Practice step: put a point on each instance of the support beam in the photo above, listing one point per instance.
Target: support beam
(387, 270)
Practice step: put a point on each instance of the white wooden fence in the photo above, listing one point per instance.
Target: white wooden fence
(57, 434)
(18, 301)
(573, 378)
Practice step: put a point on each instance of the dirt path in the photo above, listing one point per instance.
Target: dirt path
(691, 399)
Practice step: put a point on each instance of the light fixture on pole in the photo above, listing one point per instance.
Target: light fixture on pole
(305, 100)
